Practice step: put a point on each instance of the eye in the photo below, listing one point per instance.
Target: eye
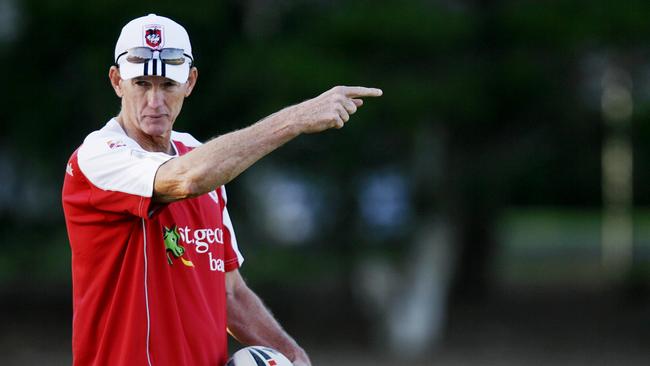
(142, 82)
(170, 84)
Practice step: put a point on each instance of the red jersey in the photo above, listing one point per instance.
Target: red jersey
(148, 279)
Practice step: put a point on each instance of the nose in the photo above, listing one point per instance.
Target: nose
(156, 97)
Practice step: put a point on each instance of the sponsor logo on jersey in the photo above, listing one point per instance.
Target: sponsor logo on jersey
(201, 238)
(68, 170)
(112, 144)
(153, 36)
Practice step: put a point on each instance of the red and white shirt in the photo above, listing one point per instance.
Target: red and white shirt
(148, 279)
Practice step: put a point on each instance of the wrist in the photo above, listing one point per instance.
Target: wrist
(290, 121)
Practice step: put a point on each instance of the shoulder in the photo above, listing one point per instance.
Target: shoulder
(111, 160)
(110, 138)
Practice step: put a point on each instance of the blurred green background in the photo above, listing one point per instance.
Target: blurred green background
(491, 208)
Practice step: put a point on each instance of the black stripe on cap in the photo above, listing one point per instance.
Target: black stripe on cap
(146, 68)
(163, 69)
(155, 67)
(258, 359)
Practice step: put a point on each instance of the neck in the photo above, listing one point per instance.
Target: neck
(147, 142)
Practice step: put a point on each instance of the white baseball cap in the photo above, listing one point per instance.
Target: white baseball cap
(156, 33)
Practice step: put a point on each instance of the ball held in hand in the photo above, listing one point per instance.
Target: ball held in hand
(258, 356)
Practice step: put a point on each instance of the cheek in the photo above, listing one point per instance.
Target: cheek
(176, 103)
(132, 100)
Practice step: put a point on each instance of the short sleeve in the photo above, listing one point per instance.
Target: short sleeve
(233, 256)
(121, 174)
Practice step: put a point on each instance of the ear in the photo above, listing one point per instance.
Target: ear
(115, 79)
(191, 81)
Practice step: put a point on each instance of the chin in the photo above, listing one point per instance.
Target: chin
(157, 128)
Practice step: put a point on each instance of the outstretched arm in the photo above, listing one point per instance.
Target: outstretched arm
(251, 323)
(222, 159)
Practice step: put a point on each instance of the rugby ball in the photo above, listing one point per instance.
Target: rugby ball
(258, 356)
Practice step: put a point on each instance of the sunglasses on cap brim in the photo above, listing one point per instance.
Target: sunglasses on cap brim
(169, 56)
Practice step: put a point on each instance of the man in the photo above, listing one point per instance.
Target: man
(154, 255)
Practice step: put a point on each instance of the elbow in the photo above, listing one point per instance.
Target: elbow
(190, 187)
(194, 185)
(187, 183)
(176, 191)
(175, 182)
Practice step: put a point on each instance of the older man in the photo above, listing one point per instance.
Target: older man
(154, 255)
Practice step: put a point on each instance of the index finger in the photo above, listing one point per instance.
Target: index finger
(361, 91)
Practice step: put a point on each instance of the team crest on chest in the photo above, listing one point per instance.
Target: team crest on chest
(153, 36)
(173, 246)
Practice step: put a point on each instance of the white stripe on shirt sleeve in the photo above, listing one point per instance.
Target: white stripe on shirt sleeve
(113, 162)
(228, 224)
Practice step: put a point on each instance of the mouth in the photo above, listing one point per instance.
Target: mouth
(155, 116)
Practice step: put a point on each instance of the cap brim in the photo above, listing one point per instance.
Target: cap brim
(154, 67)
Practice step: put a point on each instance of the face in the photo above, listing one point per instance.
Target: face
(150, 104)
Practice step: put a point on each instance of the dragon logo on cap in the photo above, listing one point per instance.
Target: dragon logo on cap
(153, 36)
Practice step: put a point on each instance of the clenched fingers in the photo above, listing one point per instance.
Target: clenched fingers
(339, 123)
(344, 114)
(349, 106)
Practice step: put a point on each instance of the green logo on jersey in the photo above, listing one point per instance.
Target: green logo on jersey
(171, 237)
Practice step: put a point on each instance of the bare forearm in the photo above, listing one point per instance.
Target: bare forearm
(240, 149)
(222, 159)
(251, 323)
